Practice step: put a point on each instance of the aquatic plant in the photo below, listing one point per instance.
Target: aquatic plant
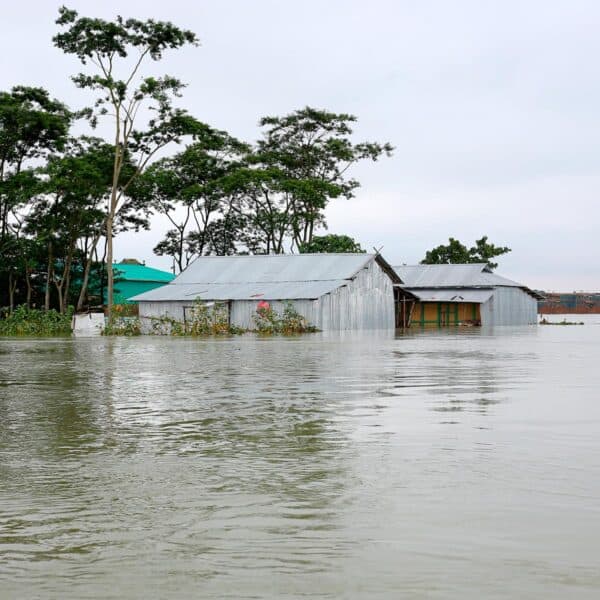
(23, 321)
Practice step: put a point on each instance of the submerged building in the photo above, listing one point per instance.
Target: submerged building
(332, 291)
(466, 294)
(133, 277)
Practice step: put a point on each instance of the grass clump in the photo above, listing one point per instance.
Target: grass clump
(24, 321)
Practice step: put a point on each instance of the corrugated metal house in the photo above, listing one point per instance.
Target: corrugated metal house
(332, 291)
(466, 293)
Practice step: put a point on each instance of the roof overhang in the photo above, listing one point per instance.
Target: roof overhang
(452, 295)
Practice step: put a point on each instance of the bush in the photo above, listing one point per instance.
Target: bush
(121, 322)
(35, 322)
(291, 322)
(204, 320)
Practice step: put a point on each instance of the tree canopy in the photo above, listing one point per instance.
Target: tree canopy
(331, 243)
(457, 253)
(116, 51)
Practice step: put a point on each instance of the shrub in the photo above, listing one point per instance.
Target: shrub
(35, 322)
(121, 323)
(203, 320)
(291, 322)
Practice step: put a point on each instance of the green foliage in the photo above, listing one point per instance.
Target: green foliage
(269, 322)
(25, 321)
(32, 126)
(202, 320)
(331, 243)
(187, 188)
(123, 322)
(300, 165)
(117, 50)
(457, 253)
(122, 326)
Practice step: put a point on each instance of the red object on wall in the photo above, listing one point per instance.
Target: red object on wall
(263, 305)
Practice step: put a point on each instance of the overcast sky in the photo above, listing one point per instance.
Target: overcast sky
(493, 107)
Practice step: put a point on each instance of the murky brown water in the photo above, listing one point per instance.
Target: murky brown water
(452, 464)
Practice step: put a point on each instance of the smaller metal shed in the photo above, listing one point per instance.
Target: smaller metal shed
(332, 291)
(467, 294)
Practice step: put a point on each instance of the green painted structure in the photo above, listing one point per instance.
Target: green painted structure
(133, 278)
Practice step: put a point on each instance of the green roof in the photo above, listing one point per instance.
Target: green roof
(130, 272)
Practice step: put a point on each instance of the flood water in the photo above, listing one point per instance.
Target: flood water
(439, 464)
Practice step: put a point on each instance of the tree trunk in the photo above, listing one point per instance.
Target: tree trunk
(101, 272)
(67, 278)
(28, 283)
(86, 274)
(60, 296)
(109, 269)
(11, 292)
(48, 277)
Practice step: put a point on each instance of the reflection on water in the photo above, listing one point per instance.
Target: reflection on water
(435, 464)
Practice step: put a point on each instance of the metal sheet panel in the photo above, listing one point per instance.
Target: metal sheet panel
(452, 295)
(475, 275)
(431, 276)
(509, 306)
(242, 291)
(273, 268)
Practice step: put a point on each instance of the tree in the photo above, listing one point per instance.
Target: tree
(122, 92)
(331, 243)
(300, 165)
(457, 253)
(188, 189)
(484, 251)
(32, 125)
(68, 215)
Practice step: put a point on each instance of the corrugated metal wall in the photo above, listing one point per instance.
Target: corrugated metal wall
(366, 302)
(509, 306)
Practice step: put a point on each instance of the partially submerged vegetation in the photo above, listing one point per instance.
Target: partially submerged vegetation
(545, 321)
(25, 321)
(205, 320)
(202, 320)
(290, 322)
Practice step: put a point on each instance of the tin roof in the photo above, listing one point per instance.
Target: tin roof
(456, 276)
(137, 272)
(453, 295)
(273, 277)
(442, 275)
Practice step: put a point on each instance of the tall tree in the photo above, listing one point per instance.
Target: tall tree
(456, 252)
(32, 125)
(188, 189)
(301, 163)
(117, 50)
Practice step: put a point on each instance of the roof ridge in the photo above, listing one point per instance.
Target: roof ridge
(174, 282)
(286, 255)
